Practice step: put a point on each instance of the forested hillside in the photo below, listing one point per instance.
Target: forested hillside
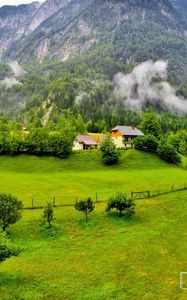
(72, 50)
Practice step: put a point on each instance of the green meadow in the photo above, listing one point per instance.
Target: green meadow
(82, 175)
(109, 257)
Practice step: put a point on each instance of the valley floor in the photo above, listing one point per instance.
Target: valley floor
(108, 257)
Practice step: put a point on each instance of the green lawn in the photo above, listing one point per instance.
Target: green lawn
(108, 257)
(83, 175)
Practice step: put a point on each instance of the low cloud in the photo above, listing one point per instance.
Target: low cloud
(17, 71)
(9, 81)
(147, 85)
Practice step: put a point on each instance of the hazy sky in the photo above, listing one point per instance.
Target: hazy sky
(14, 2)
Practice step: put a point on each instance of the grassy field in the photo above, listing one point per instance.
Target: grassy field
(83, 175)
(108, 257)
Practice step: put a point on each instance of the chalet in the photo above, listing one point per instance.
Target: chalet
(123, 136)
(84, 142)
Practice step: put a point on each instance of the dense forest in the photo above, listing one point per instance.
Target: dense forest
(79, 91)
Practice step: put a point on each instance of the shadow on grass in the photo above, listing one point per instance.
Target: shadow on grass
(53, 232)
(93, 221)
(124, 219)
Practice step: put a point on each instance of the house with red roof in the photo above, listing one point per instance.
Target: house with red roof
(84, 142)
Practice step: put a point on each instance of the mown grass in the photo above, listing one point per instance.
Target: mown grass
(107, 258)
(83, 175)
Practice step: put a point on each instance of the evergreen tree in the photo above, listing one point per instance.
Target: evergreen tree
(110, 155)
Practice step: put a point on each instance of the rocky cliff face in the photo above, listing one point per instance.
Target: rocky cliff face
(181, 6)
(14, 20)
(135, 29)
(47, 9)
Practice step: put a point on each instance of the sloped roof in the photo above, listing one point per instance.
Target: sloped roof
(101, 139)
(128, 130)
(86, 139)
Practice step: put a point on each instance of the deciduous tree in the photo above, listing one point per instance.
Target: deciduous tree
(86, 206)
(10, 208)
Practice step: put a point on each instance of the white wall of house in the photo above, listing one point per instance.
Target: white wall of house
(118, 141)
(77, 145)
(123, 144)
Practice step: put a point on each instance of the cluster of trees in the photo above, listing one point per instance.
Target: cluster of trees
(39, 140)
(167, 146)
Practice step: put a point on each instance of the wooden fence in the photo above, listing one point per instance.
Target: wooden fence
(102, 197)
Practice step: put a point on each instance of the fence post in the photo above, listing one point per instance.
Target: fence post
(172, 187)
(54, 201)
(96, 197)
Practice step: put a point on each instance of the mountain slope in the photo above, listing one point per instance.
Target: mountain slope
(181, 6)
(47, 9)
(13, 22)
(135, 30)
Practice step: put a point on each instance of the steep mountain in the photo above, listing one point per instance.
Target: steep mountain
(134, 30)
(181, 6)
(47, 9)
(13, 22)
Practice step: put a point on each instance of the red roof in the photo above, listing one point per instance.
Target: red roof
(86, 139)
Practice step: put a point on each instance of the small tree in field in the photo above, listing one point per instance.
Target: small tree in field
(10, 208)
(121, 203)
(86, 206)
(48, 214)
(110, 155)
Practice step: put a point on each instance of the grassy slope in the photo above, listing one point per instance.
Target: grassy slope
(82, 175)
(108, 258)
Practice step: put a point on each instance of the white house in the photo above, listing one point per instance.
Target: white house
(84, 142)
(123, 136)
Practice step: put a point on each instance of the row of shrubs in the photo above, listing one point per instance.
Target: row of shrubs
(10, 213)
(162, 147)
(39, 142)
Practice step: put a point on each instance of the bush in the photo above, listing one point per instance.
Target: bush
(168, 153)
(110, 155)
(121, 203)
(7, 251)
(147, 142)
(6, 248)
